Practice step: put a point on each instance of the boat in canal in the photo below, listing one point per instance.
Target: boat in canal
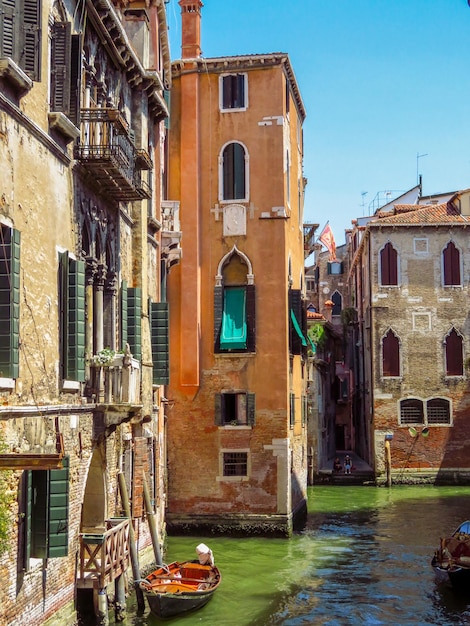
(182, 586)
(453, 556)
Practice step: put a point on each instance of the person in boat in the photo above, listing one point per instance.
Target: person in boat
(347, 464)
(337, 467)
(204, 554)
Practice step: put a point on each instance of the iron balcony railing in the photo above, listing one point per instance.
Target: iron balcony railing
(106, 150)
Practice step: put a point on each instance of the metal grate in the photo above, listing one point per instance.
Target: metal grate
(235, 464)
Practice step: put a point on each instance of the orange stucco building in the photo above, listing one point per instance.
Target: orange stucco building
(237, 439)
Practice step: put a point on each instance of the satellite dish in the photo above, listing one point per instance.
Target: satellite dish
(425, 431)
(413, 432)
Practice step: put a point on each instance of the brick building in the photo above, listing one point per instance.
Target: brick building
(86, 242)
(409, 280)
(237, 455)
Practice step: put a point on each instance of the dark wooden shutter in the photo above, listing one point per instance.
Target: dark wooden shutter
(218, 311)
(60, 64)
(75, 78)
(227, 92)
(337, 300)
(228, 171)
(251, 318)
(295, 305)
(134, 321)
(39, 509)
(76, 321)
(218, 412)
(31, 53)
(27, 499)
(8, 30)
(238, 171)
(251, 408)
(159, 332)
(390, 355)
(389, 265)
(454, 354)
(124, 314)
(292, 409)
(9, 301)
(451, 265)
(239, 99)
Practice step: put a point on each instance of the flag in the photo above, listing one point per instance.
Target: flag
(328, 240)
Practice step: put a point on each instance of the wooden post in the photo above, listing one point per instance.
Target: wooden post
(388, 463)
(152, 523)
(120, 599)
(132, 547)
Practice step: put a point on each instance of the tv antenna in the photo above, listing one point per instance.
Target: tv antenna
(418, 157)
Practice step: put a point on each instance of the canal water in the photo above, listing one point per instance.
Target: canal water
(363, 559)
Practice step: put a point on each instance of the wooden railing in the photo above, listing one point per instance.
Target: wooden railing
(104, 557)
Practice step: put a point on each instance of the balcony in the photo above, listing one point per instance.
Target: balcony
(104, 556)
(309, 239)
(106, 150)
(171, 231)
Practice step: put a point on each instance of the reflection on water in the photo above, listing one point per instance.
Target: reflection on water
(363, 559)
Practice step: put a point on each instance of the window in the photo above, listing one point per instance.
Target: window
(9, 301)
(46, 504)
(297, 322)
(235, 463)
(235, 409)
(435, 411)
(234, 318)
(388, 266)
(291, 410)
(159, 317)
(134, 321)
(454, 354)
(72, 319)
(233, 172)
(337, 302)
(451, 262)
(20, 34)
(335, 267)
(233, 92)
(65, 71)
(390, 355)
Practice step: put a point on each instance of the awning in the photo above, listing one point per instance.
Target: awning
(297, 328)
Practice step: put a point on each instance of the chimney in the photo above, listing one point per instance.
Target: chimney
(190, 28)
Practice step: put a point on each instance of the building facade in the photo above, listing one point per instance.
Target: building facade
(84, 252)
(410, 282)
(237, 456)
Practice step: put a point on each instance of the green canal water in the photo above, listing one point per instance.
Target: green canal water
(362, 559)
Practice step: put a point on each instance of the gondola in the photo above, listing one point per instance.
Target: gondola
(181, 586)
(453, 556)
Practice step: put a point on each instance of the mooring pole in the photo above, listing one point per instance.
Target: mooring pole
(132, 546)
(152, 520)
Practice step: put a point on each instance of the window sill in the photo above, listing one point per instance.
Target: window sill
(232, 479)
(235, 427)
(61, 123)
(70, 385)
(11, 72)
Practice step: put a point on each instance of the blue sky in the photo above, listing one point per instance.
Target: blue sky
(383, 81)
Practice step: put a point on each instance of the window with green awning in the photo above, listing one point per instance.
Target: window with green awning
(234, 329)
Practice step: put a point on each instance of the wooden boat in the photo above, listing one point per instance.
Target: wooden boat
(453, 556)
(180, 587)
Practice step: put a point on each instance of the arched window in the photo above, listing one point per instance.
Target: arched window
(451, 263)
(390, 355)
(338, 303)
(233, 172)
(388, 266)
(454, 354)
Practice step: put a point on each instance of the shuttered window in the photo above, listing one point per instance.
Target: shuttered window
(47, 512)
(297, 323)
(388, 266)
(233, 165)
(233, 91)
(65, 71)
(234, 330)
(72, 328)
(451, 261)
(390, 355)
(235, 409)
(9, 301)
(123, 312)
(20, 34)
(159, 333)
(454, 354)
(250, 319)
(134, 321)
(337, 302)
(291, 410)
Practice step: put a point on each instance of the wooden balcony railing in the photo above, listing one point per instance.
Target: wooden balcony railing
(104, 556)
(106, 149)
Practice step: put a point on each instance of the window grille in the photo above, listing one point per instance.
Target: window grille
(235, 463)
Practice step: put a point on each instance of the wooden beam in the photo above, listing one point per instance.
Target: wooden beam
(31, 461)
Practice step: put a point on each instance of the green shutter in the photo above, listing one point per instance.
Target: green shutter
(27, 499)
(31, 52)
(58, 511)
(250, 408)
(124, 314)
(218, 310)
(60, 64)
(8, 30)
(76, 321)
(9, 301)
(159, 329)
(64, 312)
(251, 317)
(234, 331)
(134, 321)
(167, 97)
(218, 414)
